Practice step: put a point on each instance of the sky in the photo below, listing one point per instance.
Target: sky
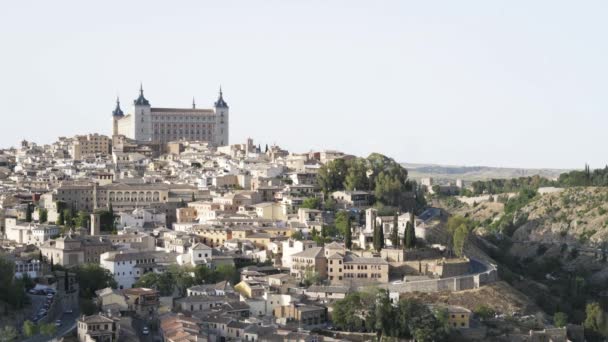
(497, 83)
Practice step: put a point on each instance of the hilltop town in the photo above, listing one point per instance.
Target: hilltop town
(164, 231)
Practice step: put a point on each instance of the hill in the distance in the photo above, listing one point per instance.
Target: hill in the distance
(473, 173)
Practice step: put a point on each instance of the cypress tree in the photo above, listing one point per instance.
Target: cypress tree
(381, 234)
(408, 236)
(52, 265)
(395, 232)
(66, 284)
(61, 218)
(28, 213)
(348, 238)
(376, 237)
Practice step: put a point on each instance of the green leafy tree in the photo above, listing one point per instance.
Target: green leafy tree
(460, 238)
(87, 307)
(483, 311)
(560, 319)
(42, 215)
(297, 235)
(311, 203)
(61, 218)
(92, 277)
(356, 176)
(8, 334)
(331, 176)
(29, 328)
(68, 216)
(342, 222)
(82, 219)
(330, 204)
(595, 320)
(48, 329)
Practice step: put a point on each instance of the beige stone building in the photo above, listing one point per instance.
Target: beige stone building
(163, 125)
(307, 261)
(98, 327)
(90, 144)
(72, 250)
(351, 269)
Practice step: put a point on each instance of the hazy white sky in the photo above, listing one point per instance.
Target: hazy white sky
(501, 83)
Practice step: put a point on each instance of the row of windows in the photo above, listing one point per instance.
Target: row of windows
(183, 118)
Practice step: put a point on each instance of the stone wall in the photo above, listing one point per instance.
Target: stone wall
(458, 283)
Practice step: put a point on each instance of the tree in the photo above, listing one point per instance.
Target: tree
(331, 176)
(42, 215)
(395, 232)
(92, 277)
(560, 319)
(8, 334)
(311, 203)
(383, 314)
(595, 320)
(66, 281)
(228, 273)
(348, 236)
(52, 264)
(483, 311)
(61, 218)
(356, 176)
(29, 328)
(310, 278)
(342, 222)
(87, 307)
(82, 219)
(409, 240)
(48, 329)
(378, 237)
(68, 216)
(460, 238)
(330, 204)
(28, 213)
(193, 197)
(297, 235)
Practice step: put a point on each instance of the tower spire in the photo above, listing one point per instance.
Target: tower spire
(141, 100)
(193, 103)
(220, 103)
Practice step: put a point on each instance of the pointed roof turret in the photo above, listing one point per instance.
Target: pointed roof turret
(220, 103)
(117, 111)
(141, 100)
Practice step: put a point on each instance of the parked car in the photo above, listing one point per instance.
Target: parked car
(50, 296)
(68, 311)
(58, 323)
(145, 331)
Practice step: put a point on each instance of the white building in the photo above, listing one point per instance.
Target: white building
(291, 247)
(196, 255)
(141, 217)
(162, 125)
(29, 233)
(127, 267)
